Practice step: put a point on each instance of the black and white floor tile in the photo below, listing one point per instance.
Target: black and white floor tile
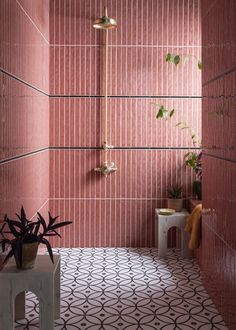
(128, 289)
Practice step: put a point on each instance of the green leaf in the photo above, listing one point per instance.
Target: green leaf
(168, 57)
(46, 242)
(59, 225)
(176, 59)
(42, 222)
(172, 57)
(199, 65)
(159, 114)
(172, 113)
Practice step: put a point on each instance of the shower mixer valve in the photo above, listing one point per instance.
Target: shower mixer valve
(106, 168)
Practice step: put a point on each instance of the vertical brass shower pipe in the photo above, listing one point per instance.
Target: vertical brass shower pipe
(106, 85)
(106, 23)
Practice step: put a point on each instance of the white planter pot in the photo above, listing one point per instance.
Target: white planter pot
(175, 204)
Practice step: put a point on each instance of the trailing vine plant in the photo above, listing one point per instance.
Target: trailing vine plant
(176, 59)
(192, 158)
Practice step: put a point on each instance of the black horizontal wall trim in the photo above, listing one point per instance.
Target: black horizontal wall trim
(99, 96)
(127, 96)
(123, 148)
(221, 158)
(219, 76)
(10, 159)
(23, 82)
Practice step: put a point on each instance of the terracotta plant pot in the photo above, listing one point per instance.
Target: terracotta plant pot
(29, 254)
(175, 204)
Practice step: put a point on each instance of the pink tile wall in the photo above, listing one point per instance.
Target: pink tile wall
(219, 270)
(141, 174)
(119, 210)
(149, 22)
(135, 124)
(24, 118)
(219, 116)
(133, 70)
(218, 253)
(24, 48)
(24, 181)
(24, 111)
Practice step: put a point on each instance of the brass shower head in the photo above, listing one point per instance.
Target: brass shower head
(105, 22)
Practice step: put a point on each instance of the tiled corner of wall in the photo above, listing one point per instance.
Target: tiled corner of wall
(24, 112)
(218, 253)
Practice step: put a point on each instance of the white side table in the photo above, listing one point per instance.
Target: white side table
(43, 280)
(163, 223)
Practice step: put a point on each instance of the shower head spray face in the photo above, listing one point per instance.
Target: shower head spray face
(105, 22)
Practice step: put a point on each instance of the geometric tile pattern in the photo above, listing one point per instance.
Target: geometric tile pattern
(128, 289)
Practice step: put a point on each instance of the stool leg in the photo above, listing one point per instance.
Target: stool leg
(162, 241)
(57, 292)
(46, 305)
(20, 306)
(7, 307)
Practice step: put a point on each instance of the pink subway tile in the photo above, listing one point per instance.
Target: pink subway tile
(24, 118)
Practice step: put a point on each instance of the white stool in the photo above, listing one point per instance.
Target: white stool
(163, 223)
(43, 280)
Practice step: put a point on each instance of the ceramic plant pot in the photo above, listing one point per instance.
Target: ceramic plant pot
(29, 254)
(175, 204)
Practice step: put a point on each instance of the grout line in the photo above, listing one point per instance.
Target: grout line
(219, 76)
(10, 159)
(25, 12)
(101, 96)
(213, 231)
(122, 148)
(209, 9)
(107, 198)
(126, 46)
(47, 200)
(130, 96)
(23, 81)
(219, 157)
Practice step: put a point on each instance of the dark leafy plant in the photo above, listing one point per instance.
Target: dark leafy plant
(194, 160)
(25, 231)
(175, 191)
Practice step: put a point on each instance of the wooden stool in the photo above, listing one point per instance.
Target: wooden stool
(163, 223)
(43, 280)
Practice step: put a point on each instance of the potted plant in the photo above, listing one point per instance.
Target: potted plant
(27, 235)
(193, 159)
(175, 200)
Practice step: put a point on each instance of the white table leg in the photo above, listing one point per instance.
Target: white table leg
(162, 241)
(7, 307)
(46, 305)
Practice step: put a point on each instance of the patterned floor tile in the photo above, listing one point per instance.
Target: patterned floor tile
(128, 289)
